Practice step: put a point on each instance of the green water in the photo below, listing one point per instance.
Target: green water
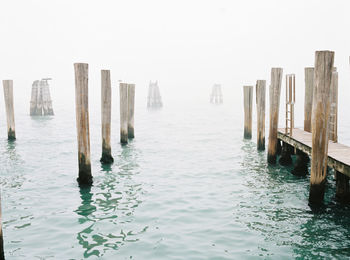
(187, 187)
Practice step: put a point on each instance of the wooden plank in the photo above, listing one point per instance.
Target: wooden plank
(338, 154)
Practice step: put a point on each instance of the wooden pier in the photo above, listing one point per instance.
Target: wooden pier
(338, 154)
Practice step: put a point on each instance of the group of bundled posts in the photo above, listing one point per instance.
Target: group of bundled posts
(127, 103)
(248, 112)
(41, 103)
(216, 95)
(154, 99)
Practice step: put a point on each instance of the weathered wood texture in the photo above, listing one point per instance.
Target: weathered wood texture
(275, 93)
(333, 117)
(338, 154)
(82, 120)
(309, 87)
(2, 253)
(320, 125)
(123, 95)
(248, 111)
(10, 114)
(131, 110)
(106, 108)
(260, 108)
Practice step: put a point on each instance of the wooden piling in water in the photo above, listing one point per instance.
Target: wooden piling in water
(10, 114)
(82, 121)
(342, 187)
(333, 116)
(123, 95)
(248, 111)
(106, 107)
(131, 110)
(320, 126)
(309, 87)
(275, 92)
(260, 107)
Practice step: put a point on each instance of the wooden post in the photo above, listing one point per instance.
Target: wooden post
(34, 98)
(131, 110)
(333, 117)
(275, 93)
(10, 114)
(2, 253)
(248, 110)
(260, 107)
(106, 106)
(320, 126)
(342, 190)
(123, 94)
(301, 164)
(82, 118)
(309, 87)
(46, 98)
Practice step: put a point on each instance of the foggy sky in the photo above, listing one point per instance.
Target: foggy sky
(186, 45)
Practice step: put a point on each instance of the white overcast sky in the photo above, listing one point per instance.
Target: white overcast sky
(186, 45)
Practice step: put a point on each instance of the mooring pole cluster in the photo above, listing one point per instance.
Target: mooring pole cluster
(127, 103)
(320, 119)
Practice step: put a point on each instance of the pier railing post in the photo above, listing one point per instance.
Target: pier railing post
(275, 93)
(260, 107)
(131, 110)
(248, 111)
(10, 114)
(82, 119)
(309, 87)
(123, 95)
(106, 106)
(320, 126)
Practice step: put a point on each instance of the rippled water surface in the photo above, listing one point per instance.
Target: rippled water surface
(187, 187)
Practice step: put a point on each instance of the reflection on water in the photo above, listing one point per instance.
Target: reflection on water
(106, 210)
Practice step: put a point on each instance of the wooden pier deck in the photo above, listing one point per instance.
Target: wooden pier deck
(338, 154)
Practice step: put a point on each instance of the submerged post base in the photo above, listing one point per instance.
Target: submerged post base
(85, 176)
(343, 190)
(316, 194)
(106, 158)
(271, 159)
(131, 133)
(261, 144)
(286, 158)
(301, 164)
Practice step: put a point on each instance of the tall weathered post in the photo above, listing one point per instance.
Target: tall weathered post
(248, 111)
(123, 95)
(82, 118)
(333, 116)
(309, 87)
(260, 107)
(106, 107)
(320, 126)
(275, 93)
(131, 110)
(10, 114)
